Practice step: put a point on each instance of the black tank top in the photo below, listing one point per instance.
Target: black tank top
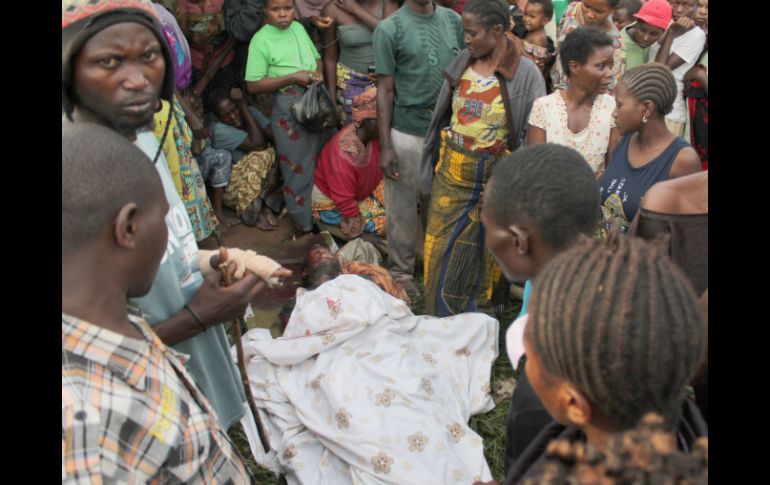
(623, 186)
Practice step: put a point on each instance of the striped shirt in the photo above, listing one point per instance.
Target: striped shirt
(131, 413)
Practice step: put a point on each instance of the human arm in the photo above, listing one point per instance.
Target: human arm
(331, 53)
(272, 84)
(195, 123)
(385, 91)
(665, 56)
(255, 138)
(535, 135)
(698, 74)
(685, 163)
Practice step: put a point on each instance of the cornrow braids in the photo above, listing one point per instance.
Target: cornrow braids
(489, 12)
(620, 321)
(654, 82)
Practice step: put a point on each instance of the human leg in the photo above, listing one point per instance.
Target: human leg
(401, 196)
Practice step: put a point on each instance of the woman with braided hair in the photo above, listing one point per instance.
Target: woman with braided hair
(614, 333)
(647, 152)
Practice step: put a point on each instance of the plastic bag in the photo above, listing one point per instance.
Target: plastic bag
(315, 109)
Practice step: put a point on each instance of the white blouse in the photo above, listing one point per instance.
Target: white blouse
(549, 113)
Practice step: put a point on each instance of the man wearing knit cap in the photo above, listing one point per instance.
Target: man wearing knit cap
(651, 21)
(115, 68)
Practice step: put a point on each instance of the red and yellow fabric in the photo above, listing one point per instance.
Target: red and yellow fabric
(478, 120)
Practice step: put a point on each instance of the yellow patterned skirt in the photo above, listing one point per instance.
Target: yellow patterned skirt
(247, 179)
(458, 269)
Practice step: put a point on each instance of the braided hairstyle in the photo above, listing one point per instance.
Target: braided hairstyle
(579, 44)
(654, 82)
(620, 321)
(490, 12)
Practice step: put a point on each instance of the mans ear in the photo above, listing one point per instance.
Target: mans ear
(498, 30)
(576, 406)
(126, 226)
(520, 239)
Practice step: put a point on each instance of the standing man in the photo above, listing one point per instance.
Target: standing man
(412, 48)
(115, 68)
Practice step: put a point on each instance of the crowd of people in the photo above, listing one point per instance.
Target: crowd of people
(518, 143)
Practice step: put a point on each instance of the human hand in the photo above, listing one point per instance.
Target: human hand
(389, 163)
(199, 132)
(303, 78)
(353, 226)
(265, 268)
(216, 304)
(237, 95)
(199, 39)
(682, 25)
(322, 23)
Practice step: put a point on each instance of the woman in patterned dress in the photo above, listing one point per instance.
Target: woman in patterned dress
(488, 93)
(580, 116)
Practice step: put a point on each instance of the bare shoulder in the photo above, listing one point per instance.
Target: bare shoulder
(686, 194)
(329, 9)
(685, 163)
(537, 38)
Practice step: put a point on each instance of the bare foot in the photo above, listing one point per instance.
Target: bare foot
(270, 216)
(251, 214)
(262, 223)
(225, 230)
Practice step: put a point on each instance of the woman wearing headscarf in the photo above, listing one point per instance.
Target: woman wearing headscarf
(348, 190)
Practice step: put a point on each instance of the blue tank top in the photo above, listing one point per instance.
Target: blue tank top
(622, 186)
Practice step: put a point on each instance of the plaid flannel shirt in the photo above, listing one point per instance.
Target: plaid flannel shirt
(131, 413)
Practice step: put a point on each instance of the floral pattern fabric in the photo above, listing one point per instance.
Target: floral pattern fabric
(549, 113)
(368, 406)
(478, 114)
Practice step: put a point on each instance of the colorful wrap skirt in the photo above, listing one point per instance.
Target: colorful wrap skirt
(247, 179)
(372, 209)
(457, 268)
(349, 85)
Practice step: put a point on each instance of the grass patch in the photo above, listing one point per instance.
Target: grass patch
(490, 426)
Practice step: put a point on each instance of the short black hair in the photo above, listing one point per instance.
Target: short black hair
(101, 172)
(631, 6)
(215, 97)
(550, 185)
(490, 13)
(547, 6)
(579, 44)
(326, 271)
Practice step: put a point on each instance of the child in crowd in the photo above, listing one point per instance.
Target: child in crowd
(131, 411)
(527, 223)
(245, 133)
(537, 14)
(283, 61)
(680, 48)
(651, 21)
(623, 14)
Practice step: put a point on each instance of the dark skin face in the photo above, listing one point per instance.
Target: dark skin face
(629, 111)
(279, 13)
(702, 12)
(596, 12)
(596, 74)
(118, 76)
(369, 130)
(621, 18)
(501, 242)
(534, 18)
(481, 41)
(318, 254)
(645, 34)
(683, 8)
(228, 113)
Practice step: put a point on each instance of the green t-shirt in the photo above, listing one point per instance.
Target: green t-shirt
(276, 52)
(415, 49)
(635, 55)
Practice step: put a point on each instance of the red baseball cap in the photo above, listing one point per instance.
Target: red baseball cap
(656, 13)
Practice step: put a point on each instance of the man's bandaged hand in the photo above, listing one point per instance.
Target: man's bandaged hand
(267, 269)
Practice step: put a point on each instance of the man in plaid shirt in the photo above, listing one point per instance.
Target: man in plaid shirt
(131, 412)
